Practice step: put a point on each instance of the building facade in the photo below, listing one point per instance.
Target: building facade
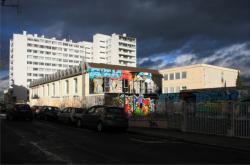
(79, 86)
(198, 76)
(33, 57)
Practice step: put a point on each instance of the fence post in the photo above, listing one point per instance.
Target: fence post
(184, 119)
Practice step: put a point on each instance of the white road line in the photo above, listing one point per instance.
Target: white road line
(48, 154)
(146, 141)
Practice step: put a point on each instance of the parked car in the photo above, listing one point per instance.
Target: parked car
(48, 113)
(2, 108)
(103, 117)
(69, 114)
(36, 110)
(19, 111)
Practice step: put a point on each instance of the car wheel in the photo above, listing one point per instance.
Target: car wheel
(69, 122)
(79, 123)
(99, 127)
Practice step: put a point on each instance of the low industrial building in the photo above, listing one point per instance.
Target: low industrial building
(198, 76)
(85, 86)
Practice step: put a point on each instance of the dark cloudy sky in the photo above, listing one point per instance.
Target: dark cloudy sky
(169, 32)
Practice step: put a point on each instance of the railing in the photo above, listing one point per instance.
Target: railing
(226, 119)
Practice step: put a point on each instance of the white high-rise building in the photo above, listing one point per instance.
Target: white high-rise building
(33, 56)
(115, 49)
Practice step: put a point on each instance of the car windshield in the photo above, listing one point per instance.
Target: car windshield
(115, 110)
(22, 107)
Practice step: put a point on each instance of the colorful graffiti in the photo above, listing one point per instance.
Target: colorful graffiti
(116, 74)
(137, 105)
(110, 80)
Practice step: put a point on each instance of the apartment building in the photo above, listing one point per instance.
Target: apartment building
(198, 76)
(33, 57)
(115, 49)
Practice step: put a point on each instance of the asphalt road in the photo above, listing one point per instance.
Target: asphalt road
(41, 142)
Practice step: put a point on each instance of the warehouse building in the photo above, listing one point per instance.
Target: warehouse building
(86, 86)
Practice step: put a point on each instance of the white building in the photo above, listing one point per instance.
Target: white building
(33, 57)
(115, 49)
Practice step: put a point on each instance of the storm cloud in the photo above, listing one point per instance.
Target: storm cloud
(177, 32)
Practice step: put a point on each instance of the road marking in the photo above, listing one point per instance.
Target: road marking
(49, 154)
(147, 141)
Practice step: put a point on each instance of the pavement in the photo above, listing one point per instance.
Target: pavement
(233, 143)
(43, 142)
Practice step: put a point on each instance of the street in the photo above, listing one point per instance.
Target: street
(42, 142)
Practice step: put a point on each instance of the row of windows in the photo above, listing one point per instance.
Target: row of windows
(175, 76)
(126, 45)
(49, 59)
(49, 69)
(126, 39)
(54, 53)
(54, 42)
(174, 89)
(66, 88)
(37, 75)
(53, 48)
(53, 64)
(125, 51)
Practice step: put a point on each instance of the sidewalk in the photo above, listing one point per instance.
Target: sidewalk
(211, 140)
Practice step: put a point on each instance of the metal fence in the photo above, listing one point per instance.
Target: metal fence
(226, 118)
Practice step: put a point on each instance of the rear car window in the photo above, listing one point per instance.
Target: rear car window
(79, 110)
(115, 110)
(22, 107)
(52, 108)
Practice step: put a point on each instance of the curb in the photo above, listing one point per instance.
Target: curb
(188, 141)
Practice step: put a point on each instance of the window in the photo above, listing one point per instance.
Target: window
(43, 91)
(165, 89)
(184, 75)
(91, 110)
(165, 76)
(67, 86)
(75, 85)
(177, 89)
(177, 75)
(48, 89)
(184, 87)
(171, 89)
(54, 90)
(171, 77)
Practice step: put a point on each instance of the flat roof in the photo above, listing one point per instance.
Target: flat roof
(119, 67)
(200, 65)
(77, 70)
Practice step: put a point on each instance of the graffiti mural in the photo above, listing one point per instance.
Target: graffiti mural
(138, 105)
(104, 80)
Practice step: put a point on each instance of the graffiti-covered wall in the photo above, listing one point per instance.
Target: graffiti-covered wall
(104, 80)
(138, 105)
